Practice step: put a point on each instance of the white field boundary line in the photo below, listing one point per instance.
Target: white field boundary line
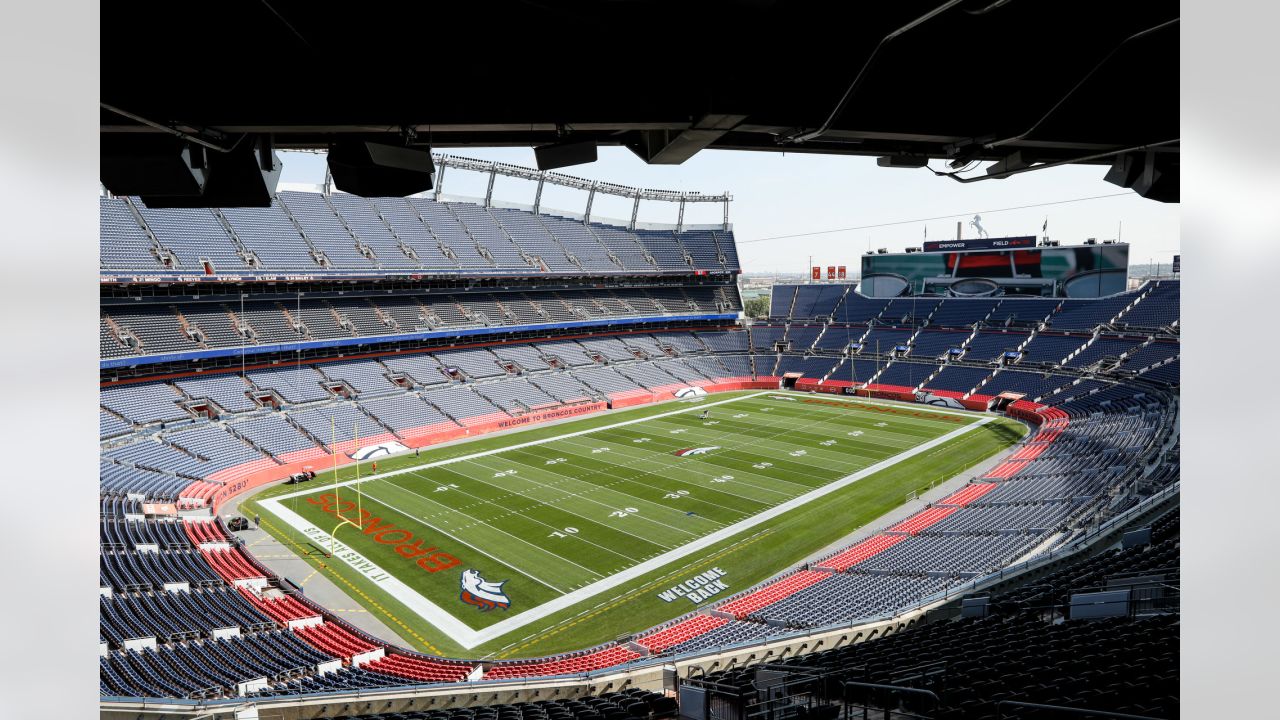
(633, 498)
(771, 441)
(532, 443)
(900, 404)
(442, 620)
(834, 422)
(877, 435)
(417, 604)
(495, 528)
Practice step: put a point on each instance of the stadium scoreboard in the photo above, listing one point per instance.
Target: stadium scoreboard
(1009, 243)
(998, 266)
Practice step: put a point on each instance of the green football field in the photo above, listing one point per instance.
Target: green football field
(566, 536)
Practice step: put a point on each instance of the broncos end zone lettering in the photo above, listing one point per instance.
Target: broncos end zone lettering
(431, 559)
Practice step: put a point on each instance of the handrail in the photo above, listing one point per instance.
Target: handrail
(894, 690)
(1000, 705)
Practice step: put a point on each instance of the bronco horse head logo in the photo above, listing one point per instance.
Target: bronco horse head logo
(696, 451)
(483, 594)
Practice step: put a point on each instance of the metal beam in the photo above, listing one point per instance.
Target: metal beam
(591, 196)
(577, 183)
(442, 162)
(537, 197)
(673, 147)
(488, 194)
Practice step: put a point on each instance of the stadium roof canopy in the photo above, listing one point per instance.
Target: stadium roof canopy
(1024, 81)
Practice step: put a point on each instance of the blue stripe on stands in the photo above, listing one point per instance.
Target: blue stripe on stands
(108, 276)
(378, 339)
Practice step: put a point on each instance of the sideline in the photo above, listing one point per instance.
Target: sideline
(469, 638)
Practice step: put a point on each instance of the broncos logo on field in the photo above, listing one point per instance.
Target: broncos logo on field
(483, 594)
(930, 399)
(696, 451)
(372, 451)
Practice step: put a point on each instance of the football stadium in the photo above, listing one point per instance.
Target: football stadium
(376, 448)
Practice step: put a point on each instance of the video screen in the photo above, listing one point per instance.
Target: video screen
(1047, 272)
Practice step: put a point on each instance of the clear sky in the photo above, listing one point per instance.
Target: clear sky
(785, 194)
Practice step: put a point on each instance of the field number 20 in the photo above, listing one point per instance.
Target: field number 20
(623, 512)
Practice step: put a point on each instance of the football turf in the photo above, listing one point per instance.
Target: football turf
(599, 516)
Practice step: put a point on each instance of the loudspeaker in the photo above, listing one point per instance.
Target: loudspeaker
(1153, 175)
(151, 164)
(902, 161)
(1016, 160)
(375, 170)
(1124, 170)
(564, 154)
(246, 176)
(1160, 179)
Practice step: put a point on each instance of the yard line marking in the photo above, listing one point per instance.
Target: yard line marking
(635, 499)
(469, 638)
(582, 496)
(454, 536)
(896, 404)
(522, 514)
(625, 451)
(783, 446)
(779, 446)
(718, 469)
(787, 429)
(773, 439)
(437, 616)
(532, 443)
(692, 459)
(842, 422)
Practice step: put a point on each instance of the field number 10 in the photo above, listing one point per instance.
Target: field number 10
(567, 532)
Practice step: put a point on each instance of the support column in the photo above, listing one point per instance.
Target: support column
(439, 183)
(591, 198)
(726, 211)
(488, 194)
(680, 217)
(635, 212)
(537, 198)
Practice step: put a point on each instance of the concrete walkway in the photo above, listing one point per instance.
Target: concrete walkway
(316, 584)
